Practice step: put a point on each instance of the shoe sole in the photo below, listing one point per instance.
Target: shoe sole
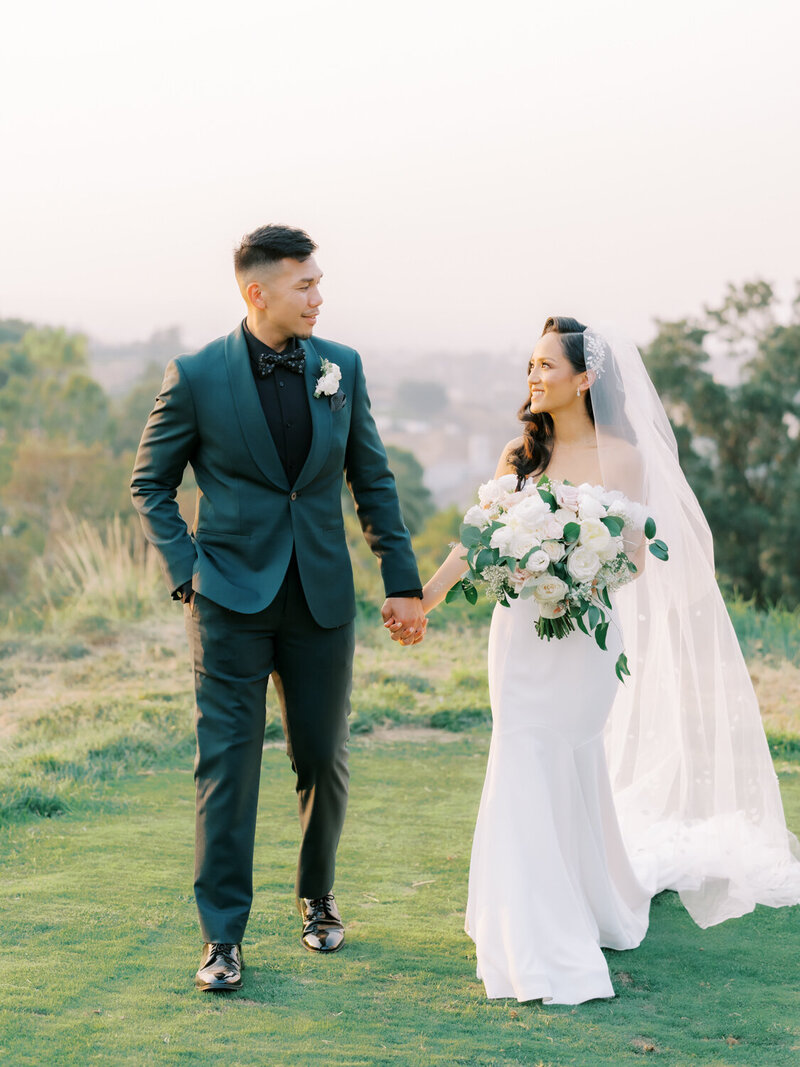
(218, 987)
(322, 951)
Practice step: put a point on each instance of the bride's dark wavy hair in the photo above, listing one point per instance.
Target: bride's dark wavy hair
(533, 455)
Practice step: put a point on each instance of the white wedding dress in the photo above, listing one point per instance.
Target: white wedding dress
(550, 881)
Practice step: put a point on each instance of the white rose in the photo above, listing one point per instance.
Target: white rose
(488, 493)
(583, 564)
(477, 516)
(530, 510)
(552, 611)
(328, 384)
(548, 529)
(567, 496)
(538, 561)
(507, 482)
(494, 491)
(501, 540)
(594, 534)
(554, 549)
(548, 589)
(612, 550)
(589, 507)
(564, 515)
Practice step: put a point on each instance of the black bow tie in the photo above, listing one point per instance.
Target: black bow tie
(293, 359)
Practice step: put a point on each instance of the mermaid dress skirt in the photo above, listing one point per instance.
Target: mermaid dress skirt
(550, 881)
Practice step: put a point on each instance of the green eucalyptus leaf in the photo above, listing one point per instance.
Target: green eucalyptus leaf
(594, 616)
(600, 632)
(621, 667)
(548, 499)
(614, 524)
(470, 535)
(485, 558)
(650, 528)
(572, 532)
(470, 592)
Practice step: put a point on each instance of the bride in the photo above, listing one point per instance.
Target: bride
(598, 795)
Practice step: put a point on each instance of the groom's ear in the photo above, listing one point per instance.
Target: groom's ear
(254, 295)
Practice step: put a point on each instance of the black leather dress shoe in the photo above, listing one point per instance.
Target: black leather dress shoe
(220, 968)
(323, 929)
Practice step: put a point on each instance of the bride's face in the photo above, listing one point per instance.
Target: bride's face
(552, 379)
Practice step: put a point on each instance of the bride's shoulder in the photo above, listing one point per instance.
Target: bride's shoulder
(513, 444)
(504, 465)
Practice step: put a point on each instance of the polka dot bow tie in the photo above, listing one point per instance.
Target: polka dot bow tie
(293, 360)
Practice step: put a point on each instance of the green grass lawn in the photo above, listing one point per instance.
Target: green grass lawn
(100, 942)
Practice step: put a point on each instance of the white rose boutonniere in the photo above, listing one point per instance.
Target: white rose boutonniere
(328, 381)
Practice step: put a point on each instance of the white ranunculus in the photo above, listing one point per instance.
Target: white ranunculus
(477, 516)
(583, 563)
(537, 562)
(594, 534)
(548, 589)
(554, 549)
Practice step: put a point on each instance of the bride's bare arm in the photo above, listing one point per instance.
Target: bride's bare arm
(435, 589)
(455, 566)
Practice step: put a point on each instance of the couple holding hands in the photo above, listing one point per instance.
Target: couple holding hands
(271, 419)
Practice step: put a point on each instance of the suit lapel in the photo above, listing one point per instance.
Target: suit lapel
(321, 421)
(248, 408)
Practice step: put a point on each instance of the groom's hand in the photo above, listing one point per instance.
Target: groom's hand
(404, 618)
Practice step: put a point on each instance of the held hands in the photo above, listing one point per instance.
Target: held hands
(405, 620)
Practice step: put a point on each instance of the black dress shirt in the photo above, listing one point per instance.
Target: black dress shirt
(284, 401)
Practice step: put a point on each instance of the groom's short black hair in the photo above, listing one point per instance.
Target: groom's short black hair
(269, 244)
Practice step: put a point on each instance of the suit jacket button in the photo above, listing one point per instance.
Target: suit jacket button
(294, 496)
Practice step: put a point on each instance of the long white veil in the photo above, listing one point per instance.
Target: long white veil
(694, 785)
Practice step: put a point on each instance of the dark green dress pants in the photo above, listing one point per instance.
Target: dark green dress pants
(233, 655)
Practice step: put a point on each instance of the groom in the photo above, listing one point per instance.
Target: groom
(270, 421)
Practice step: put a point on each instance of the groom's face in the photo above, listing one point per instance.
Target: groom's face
(291, 296)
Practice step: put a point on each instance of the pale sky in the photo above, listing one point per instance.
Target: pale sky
(467, 168)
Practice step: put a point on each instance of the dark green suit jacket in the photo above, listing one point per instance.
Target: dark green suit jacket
(248, 516)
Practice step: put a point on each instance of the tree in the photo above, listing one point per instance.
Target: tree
(416, 501)
(739, 444)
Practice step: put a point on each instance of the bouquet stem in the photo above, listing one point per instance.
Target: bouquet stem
(558, 628)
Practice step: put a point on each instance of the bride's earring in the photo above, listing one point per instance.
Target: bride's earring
(578, 393)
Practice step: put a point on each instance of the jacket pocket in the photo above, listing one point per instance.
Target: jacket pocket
(219, 536)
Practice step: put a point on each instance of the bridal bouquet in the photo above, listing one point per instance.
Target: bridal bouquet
(562, 544)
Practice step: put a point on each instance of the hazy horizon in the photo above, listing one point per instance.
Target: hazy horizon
(465, 173)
